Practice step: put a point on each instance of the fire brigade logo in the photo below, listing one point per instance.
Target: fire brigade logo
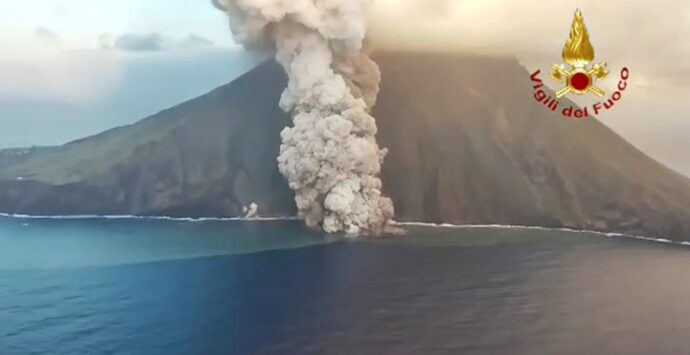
(578, 53)
(578, 75)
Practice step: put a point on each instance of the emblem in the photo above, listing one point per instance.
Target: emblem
(578, 53)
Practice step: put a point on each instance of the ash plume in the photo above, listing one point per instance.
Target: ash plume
(329, 156)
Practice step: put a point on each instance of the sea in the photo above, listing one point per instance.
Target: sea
(88, 285)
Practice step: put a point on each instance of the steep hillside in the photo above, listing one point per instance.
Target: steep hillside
(467, 145)
(210, 156)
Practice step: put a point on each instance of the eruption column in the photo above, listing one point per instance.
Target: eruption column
(329, 156)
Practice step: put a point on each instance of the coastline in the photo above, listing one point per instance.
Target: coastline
(402, 224)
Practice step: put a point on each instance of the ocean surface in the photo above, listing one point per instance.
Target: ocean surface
(137, 286)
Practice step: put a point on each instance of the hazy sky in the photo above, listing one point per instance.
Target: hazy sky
(652, 38)
(74, 67)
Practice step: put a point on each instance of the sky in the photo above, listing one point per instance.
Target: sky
(71, 68)
(78, 67)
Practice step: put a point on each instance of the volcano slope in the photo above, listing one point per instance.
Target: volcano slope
(468, 145)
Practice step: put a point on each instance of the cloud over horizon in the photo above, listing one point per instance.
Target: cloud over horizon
(45, 33)
(139, 42)
(151, 42)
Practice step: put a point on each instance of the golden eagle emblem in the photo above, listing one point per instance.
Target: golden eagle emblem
(578, 53)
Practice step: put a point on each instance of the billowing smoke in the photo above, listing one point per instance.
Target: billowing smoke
(330, 156)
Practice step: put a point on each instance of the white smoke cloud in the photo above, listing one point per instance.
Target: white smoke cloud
(330, 156)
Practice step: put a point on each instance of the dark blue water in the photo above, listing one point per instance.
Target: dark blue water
(437, 291)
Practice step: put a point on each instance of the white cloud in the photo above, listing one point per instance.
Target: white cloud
(151, 42)
(46, 34)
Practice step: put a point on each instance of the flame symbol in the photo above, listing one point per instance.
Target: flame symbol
(578, 51)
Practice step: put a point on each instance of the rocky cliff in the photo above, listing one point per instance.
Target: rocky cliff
(467, 143)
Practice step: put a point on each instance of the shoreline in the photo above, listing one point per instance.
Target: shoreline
(417, 224)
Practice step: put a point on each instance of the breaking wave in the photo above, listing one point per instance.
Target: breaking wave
(295, 218)
(522, 227)
(154, 218)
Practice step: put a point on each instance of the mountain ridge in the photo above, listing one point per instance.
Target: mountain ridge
(475, 150)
